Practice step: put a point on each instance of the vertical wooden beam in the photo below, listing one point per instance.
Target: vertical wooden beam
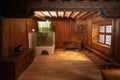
(116, 39)
(0, 31)
(0, 37)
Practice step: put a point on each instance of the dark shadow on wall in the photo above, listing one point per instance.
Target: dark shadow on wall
(0, 32)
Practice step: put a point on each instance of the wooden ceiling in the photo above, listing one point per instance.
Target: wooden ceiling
(76, 15)
(75, 9)
(74, 5)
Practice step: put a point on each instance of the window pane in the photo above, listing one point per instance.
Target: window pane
(102, 28)
(108, 39)
(101, 38)
(108, 29)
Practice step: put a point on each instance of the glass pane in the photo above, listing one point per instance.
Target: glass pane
(108, 29)
(108, 39)
(102, 28)
(101, 38)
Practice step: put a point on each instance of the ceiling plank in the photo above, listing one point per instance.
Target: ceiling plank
(38, 14)
(53, 13)
(74, 14)
(68, 13)
(84, 14)
(81, 14)
(46, 13)
(77, 14)
(89, 14)
(60, 13)
(50, 14)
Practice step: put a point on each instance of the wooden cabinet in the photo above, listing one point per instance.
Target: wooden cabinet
(12, 67)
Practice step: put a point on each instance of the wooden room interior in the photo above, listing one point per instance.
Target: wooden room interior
(78, 25)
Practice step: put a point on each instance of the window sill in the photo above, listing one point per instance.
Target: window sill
(107, 46)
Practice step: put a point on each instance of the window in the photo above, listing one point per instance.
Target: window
(105, 34)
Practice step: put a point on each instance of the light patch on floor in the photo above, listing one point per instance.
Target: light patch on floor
(72, 55)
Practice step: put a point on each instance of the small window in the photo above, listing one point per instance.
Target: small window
(108, 39)
(108, 29)
(101, 38)
(102, 28)
(105, 34)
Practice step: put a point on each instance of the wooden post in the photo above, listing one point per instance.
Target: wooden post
(116, 39)
(0, 32)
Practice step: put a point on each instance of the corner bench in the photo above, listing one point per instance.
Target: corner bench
(111, 74)
(12, 67)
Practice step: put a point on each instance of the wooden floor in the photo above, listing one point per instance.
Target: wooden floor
(67, 65)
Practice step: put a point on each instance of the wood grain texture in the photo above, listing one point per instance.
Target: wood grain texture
(31, 24)
(89, 32)
(62, 32)
(18, 32)
(6, 38)
(65, 30)
(14, 33)
(92, 34)
(116, 39)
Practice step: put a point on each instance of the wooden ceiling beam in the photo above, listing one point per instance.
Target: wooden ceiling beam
(77, 14)
(57, 13)
(50, 14)
(84, 15)
(73, 5)
(89, 14)
(70, 14)
(81, 14)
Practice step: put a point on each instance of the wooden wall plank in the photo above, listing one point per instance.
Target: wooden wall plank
(6, 38)
(116, 40)
(31, 24)
(14, 33)
(62, 32)
(18, 32)
(65, 30)
(89, 32)
(93, 24)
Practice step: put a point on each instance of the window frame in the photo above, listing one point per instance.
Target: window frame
(105, 34)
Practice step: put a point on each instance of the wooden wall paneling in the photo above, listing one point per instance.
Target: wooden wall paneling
(18, 32)
(31, 24)
(89, 32)
(118, 20)
(76, 31)
(66, 30)
(101, 48)
(62, 32)
(95, 33)
(6, 38)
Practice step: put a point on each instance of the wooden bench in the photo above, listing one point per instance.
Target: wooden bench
(12, 67)
(111, 74)
(111, 62)
(72, 45)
